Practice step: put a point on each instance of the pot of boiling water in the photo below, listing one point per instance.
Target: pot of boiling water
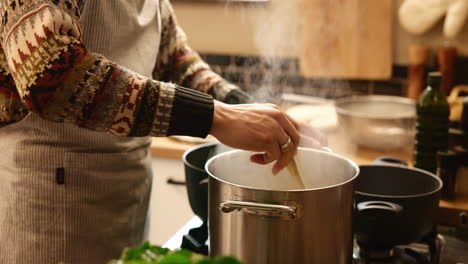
(262, 218)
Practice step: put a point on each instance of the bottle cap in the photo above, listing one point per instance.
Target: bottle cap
(434, 79)
(435, 74)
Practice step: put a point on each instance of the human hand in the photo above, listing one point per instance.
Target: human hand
(310, 137)
(260, 128)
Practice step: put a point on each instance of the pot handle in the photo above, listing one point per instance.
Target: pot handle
(259, 208)
(380, 205)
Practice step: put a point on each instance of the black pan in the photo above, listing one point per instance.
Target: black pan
(196, 176)
(394, 205)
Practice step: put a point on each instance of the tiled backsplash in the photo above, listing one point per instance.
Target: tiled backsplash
(282, 76)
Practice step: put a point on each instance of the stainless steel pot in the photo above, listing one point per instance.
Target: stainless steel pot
(261, 218)
(377, 121)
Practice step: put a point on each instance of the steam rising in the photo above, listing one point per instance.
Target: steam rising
(277, 36)
(277, 39)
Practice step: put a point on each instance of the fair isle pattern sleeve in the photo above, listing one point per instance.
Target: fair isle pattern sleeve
(11, 106)
(59, 79)
(178, 63)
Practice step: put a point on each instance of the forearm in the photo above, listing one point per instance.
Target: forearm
(62, 81)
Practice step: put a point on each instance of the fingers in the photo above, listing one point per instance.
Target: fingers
(269, 156)
(272, 153)
(282, 130)
(290, 128)
(307, 130)
(260, 128)
(261, 158)
(287, 154)
(293, 121)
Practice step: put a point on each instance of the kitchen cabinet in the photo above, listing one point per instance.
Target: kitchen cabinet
(169, 206)
(346, 39)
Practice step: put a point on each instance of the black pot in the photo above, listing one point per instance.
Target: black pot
(197, 178)
(394, 205)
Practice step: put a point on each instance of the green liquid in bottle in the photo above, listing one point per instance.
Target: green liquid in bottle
(432, 124)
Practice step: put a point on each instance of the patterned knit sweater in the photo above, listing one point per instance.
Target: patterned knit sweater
(46, 69)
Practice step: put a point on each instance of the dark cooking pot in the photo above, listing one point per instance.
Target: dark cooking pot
(196, 176)
(394, 205)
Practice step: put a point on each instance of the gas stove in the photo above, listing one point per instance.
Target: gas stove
(196, 240)
(437, 248)
(427, 251)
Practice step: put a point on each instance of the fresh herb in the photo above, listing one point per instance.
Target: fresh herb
(148, 254)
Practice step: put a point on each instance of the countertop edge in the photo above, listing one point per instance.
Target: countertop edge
(171, 148)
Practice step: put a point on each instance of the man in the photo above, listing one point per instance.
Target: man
(84, 85)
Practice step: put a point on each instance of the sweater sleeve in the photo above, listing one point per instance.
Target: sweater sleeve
(58, 78)
(179, 63)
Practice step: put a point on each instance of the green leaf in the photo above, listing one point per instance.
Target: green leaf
(227, 260)
(176, 259)
(205, 261)
(148, 254)
(145, 252)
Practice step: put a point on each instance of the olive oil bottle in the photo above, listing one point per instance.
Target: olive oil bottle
(432, 124)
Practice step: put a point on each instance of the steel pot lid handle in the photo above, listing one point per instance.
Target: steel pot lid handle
(379, 205)
(259, 208)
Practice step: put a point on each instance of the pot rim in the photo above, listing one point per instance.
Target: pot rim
(341, 109)
(189, 151)
(352, 163)
(403, 196)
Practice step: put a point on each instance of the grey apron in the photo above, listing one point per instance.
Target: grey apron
(70, 195)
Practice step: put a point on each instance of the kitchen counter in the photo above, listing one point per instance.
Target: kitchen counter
(168, 147)
(449, 210)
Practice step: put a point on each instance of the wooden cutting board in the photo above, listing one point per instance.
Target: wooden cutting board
(349, 39)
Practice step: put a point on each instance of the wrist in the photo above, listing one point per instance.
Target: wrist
(192, 113)
(219, 117)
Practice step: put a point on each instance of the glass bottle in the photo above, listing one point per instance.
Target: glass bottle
(432, 124)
